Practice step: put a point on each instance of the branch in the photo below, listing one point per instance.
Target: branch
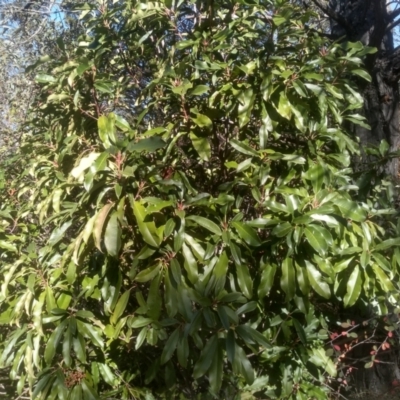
(394, 14)
(41, 26)
(392, 25)
(334, 15)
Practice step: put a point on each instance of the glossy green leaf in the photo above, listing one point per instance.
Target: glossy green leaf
(354, 284)
(170, 346)
(300, 331)
(284, 107)
(288, 278)
(52, 343)
(267, 280)
(215, 374)
(317, 282)
(66, 347)
(243, 366)
(319, 358)
(206, 357)
(149, 145)
(147, 229)
(385, 282)
(202, 121)
(148, 273)
(243, 148)
(79, 345)
(247, 233)
(190, 264)
(99, 223)
(202, 146)
(199, 90)
(316, 239)
(88, 391)
(112, 235)
(244, 280)
(206, 223)
(120, 306)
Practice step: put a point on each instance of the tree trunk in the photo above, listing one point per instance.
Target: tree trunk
(370, 22)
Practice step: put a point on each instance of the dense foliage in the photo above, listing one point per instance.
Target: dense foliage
(184, 215)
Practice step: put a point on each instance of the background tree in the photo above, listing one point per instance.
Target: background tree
(373, 23)
(29, 33)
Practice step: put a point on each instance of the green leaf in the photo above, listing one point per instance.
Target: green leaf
(300, 331)
(223, 316)
(183, 351)
(247, 233)
(206, 223)
(244, 280)
(302, 279)
(386, 244)
(121, 123)
(199, 90)
(267, 280)
(242, 365)
(112, 236)
(170, 346)
(106, 129)
(147, 229)
(148, 273)
(57, 234)
(284, 107)
(353, 285)
(79, 345)
(43, 78)
(350, 209)
(220, 271)
(88, 391)
(202, 121)
(206, 357)
(320, 359)
(385, 282)
(316, 281)
(202, 146)
(52, 343)
(190, 264)
(251, 336)
(66, 349)
(243, 148)
(300, 88)
(149, 145)
(215, 375)
(99, 224)
(282, 230)
(120, 307)
(288, 278)
(89, 330)
(316, 239)
(364, 74)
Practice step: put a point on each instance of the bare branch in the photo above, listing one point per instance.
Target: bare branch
(392, 25)
(394, 14)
